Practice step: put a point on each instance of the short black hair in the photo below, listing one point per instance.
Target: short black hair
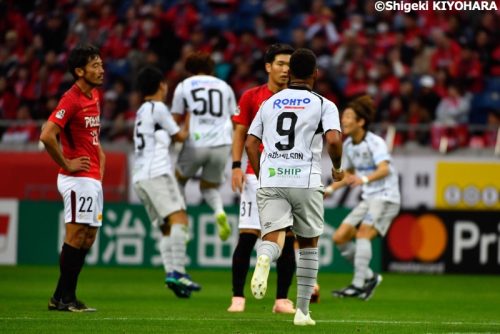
(302, 63)
(277, 49)
(149, 79)
(80, 56)
(200, 62)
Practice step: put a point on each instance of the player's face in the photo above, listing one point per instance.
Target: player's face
(94, 72)
(350, 123)
(278, 70)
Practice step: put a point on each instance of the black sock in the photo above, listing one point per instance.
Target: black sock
(241, 262)
(58, 293)
(70, 266)
(285, 267)
(81, 261)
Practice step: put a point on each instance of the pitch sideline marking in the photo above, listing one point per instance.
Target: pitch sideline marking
(382, 322)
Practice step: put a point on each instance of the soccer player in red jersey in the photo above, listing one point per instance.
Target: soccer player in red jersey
(76, 122)
(277, 60)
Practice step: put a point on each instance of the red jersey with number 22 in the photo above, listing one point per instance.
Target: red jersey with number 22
(78, 116)
(248, 106)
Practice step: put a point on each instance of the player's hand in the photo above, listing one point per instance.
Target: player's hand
(237, 180)
(328, 191)
(78, 164)
(337, 174)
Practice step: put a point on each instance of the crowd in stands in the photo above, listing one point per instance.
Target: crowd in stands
(427, 67)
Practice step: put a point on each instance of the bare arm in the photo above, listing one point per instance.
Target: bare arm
(252, 146)
(182, 135)
(381, 172)
(49, 139)
(334, 148)
(102, 162)
(237, 175)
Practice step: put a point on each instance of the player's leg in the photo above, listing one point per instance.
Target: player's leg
(307, 274)
(249, 232)
(343, 239)
(240, 266)
(275, 214)
(308, 224)
(381, 214)
(212, 176)
(83, 215)
(285, 268)
(188, 163)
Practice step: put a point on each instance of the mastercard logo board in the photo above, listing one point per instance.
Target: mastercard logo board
(417, 238)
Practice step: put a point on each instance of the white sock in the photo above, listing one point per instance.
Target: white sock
(307, 274)
(213, 199)
(178, 234)
(269, 248)
(348, 250)
(166, 253)
(362, 261)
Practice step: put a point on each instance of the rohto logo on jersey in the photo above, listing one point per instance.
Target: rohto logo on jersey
(60, 114)
(284, 172)
(280, 103)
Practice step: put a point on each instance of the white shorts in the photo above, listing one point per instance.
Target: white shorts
(249, 212)
(212, 160)
(300, 208)
(375, 212)
(160, 196)
(83, 199)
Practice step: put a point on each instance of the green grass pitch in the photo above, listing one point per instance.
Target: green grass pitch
(134, 300)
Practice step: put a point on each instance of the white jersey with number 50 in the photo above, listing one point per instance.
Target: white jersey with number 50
(211, 103)
(291, 124)
(154, 127)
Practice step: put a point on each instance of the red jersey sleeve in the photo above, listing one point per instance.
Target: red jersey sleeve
(244, 116)
(63, 112)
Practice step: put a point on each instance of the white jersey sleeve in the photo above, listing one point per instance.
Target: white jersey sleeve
(153, 129)
(211, 103)
(178, 102)
(290, 124)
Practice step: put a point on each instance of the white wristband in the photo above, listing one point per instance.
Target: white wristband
(338, 170)
(329, 190)
(365, 180)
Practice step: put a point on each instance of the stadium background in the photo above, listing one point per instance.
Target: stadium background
(434, 76)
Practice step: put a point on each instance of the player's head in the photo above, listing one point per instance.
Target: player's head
(302, 64)
(149, 80)
(277, 59)
(84, 62)
(358, 114)
(200, 63)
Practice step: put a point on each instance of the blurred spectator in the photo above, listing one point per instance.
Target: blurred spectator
(25, 131)
(427, 97)
(454, 108)
(8, 100)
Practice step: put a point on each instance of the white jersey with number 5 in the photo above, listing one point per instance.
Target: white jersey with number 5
(211, 103)
(291, 124)
(154, 126)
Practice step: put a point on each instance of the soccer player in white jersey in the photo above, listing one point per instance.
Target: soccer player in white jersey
(154, 181)
(368, 164)
(290, 124)
(210, 103)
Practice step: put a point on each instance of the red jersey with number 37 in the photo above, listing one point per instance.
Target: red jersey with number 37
(78, 117)
(248, 106)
